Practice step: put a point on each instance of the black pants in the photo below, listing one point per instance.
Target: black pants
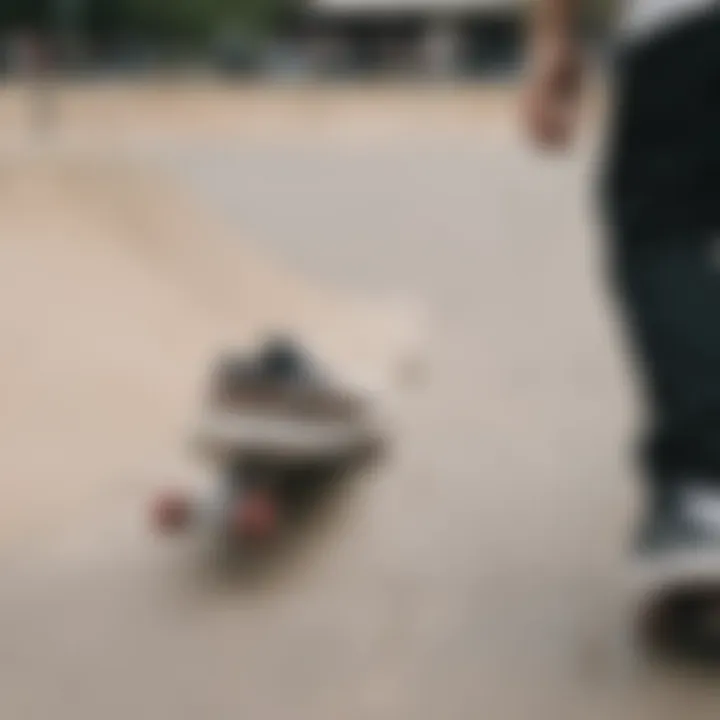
(662, 193)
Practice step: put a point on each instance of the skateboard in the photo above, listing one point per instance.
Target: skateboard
(271, 440)
(676, 608)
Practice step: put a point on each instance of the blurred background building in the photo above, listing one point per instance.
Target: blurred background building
(436, 37)
(321, 37)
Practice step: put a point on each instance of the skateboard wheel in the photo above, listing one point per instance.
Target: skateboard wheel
(256, 516)
(171, 512)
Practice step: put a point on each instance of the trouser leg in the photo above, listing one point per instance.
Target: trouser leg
(670, 295)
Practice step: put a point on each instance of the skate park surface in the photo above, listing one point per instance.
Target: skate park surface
(477, 574)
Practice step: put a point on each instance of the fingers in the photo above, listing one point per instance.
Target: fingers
(550, 120)
(552, 100)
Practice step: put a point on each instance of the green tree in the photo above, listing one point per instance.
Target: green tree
(24, 13)
(190, 19)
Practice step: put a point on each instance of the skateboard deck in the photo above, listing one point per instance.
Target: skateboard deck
(676, 607)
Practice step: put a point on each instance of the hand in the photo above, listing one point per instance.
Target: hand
(552, 97)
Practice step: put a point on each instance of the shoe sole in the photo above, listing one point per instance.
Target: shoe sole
(680, 568)
(293, 438)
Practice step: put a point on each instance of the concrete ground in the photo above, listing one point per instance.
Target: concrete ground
(476, 575)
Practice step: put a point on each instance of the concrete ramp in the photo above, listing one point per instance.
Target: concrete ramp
(116, 290)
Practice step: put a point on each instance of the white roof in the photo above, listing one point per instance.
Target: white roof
(414, 5)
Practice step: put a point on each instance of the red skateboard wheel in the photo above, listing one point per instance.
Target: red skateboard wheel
(171, 512)
(256, 516)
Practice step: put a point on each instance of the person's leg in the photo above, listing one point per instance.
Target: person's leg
(663, 191)
(670, 289)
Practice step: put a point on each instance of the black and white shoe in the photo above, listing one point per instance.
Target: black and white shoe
(281, 401)
(679, 539)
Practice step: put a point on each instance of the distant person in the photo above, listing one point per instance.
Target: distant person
(39, 62)
(661, 201)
